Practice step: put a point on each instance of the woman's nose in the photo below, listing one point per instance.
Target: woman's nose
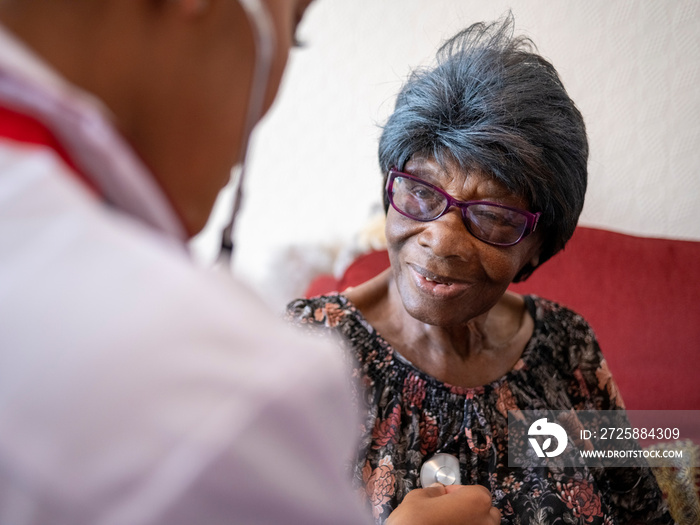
(447, 236)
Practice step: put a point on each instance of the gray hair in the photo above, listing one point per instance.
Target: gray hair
(493, 104)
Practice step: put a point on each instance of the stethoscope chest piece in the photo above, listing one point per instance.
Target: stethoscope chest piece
(441, 468)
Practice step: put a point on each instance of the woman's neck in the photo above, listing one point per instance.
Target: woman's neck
(479, 351)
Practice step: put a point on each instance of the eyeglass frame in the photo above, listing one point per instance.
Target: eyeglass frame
(531, 218)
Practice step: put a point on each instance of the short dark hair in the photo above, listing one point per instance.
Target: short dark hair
(494, 104)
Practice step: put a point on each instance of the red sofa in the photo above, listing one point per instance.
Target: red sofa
(640, 295)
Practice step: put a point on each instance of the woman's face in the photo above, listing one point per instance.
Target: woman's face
(444, 275)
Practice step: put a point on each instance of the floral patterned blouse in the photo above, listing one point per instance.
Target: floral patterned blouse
(408, 416)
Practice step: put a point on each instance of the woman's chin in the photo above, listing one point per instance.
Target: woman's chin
(439, 313)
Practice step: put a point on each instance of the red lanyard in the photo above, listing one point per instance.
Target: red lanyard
(23, 128)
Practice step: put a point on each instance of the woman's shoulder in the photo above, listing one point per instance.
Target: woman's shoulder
(562, 336)
(558, 318)
(302, 304)
(565, 340)
(324, 310)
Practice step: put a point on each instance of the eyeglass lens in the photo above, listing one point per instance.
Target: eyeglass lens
(487, 222)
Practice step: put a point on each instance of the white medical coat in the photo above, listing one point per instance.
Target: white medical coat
(134, 387)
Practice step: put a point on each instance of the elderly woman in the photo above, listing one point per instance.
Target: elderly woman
(485, 174)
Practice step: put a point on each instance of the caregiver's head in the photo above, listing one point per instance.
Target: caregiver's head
(183, 80)
(503, 150)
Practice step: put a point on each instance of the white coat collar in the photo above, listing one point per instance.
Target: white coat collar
(83, 126)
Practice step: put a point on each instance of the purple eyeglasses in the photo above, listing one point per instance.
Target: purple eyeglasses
(489, 222)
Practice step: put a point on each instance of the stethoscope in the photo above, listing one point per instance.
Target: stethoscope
(264, 35)
(441, 468)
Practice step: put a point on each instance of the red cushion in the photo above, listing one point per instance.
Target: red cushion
(640, 295)
(322, 284)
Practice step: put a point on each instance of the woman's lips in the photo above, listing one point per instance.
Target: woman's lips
(437, 285)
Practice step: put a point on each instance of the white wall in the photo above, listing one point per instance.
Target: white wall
(632, 66)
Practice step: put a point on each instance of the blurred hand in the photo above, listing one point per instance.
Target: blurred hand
(446, 505)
